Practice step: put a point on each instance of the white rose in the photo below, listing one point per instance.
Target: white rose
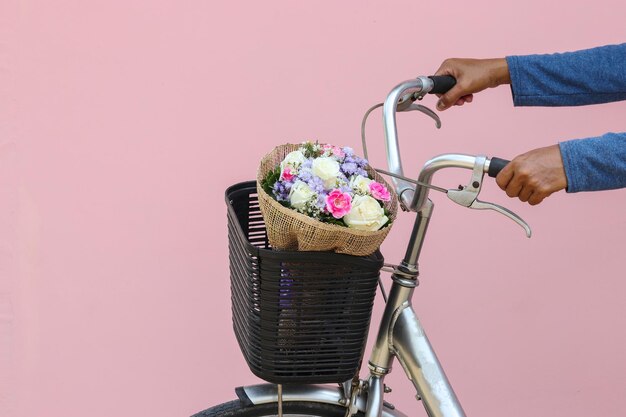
(360, 184)
(327, 169)
(293, 159)
(366, 214)
(300, 194)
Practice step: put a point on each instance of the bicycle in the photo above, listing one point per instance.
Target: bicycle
(400, 333)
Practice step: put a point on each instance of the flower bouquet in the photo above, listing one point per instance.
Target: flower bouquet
(320, 197)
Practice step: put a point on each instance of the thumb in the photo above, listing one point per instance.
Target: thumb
(448, 99)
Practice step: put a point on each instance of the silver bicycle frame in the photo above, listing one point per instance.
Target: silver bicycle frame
(400, 333)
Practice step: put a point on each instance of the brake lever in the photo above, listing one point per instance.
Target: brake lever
(483, 205)
(407, 103)
(427, 112)
(467, 196)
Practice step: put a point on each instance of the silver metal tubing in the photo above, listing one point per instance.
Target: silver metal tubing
(375, 394)
(267, 393)
(414, 247)
(422, 366)
(347, 388)
(442, 161)
(381, 356)
(403, 188)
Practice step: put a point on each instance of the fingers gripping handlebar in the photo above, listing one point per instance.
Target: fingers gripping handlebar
(413, 197)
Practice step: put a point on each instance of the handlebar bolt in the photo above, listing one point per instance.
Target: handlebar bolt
(461, 187)
(475, 184)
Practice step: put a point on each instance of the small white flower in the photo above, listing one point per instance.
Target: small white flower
(293, 160)
(360, 184)
(327, 169)
(300, 194)
(366, 214)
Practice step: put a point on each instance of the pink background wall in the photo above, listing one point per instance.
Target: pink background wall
(122, 122)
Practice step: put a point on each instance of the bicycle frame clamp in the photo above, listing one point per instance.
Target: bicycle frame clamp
(356, 388)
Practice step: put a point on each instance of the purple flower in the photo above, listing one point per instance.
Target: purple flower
(345, 188)
(316, 184)
(305, 174)
(349, 168)
(361, 162)
(281, 191)
(320, 203)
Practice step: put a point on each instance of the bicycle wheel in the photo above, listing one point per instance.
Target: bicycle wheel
(238, 408)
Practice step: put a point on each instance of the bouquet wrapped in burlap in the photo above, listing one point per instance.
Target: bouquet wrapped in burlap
(339, 219)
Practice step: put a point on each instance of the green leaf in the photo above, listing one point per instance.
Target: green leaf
(309, 150)
(270, 179)
(327, 218)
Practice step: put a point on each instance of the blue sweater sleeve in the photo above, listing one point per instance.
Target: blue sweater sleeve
(595, 164)
(589, 76)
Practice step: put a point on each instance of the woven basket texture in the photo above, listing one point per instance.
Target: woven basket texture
(289, 230)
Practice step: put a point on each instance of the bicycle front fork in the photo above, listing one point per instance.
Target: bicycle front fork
(409, 344)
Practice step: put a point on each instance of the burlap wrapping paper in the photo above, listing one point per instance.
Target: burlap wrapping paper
(289, 230)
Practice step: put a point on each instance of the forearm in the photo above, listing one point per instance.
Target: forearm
(595, 164)
(590, 76)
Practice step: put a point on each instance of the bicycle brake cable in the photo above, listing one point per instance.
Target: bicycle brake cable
(412, 181)
(382, 171)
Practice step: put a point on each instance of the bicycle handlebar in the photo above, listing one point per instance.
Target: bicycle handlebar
(414, 198)
(479, 163)
(442, 83)
(496, 166)
(404, 189)
(413, 89)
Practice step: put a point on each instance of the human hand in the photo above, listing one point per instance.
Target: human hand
(472, 76)
(534, 175)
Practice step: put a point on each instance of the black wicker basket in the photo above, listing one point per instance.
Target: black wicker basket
(298, 316)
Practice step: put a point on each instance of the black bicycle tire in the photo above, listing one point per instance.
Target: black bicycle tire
(238, 408)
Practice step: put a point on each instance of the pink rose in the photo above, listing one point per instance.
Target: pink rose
(338, 203)
(335, 150)
(287, 175)
(338, 152)
(379, 192)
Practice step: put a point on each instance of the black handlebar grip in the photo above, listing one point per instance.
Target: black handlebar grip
(496, 165)
(442, 83)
